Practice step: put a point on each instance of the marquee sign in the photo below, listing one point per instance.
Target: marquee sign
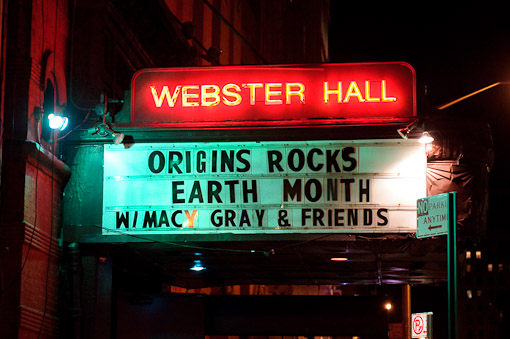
(263, 187)
(258, 96)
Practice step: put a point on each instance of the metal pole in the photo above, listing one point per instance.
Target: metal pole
(453, 327)
(406, 310)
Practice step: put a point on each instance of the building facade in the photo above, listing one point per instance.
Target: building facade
(60, 276)
(60, 56)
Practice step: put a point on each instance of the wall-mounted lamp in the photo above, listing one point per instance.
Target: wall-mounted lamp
(104, 130)
(57, 122)
(404, 132)
(425, 138)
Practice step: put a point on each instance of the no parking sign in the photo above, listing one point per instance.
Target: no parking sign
(421, 325)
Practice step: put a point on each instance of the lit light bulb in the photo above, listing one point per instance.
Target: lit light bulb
(57, 121)
(426, 138)
(197, 267)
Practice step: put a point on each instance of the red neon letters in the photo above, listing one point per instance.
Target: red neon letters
(243, 96)
(229, 94)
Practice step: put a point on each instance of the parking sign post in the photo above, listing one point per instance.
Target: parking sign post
(453, 326)
(436, 215)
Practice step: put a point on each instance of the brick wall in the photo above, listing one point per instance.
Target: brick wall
(40, 277)
(32, 177)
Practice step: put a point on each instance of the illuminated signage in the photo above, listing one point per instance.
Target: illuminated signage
(266, 187)
(245, 96)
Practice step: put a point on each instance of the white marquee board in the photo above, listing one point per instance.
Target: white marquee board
(354, 186)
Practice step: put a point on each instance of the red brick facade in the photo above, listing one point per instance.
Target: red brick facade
(34, 54)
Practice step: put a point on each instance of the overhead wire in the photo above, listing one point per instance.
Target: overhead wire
(176, 244)
(76, 127)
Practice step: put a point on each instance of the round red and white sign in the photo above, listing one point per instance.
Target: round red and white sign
(418, 325)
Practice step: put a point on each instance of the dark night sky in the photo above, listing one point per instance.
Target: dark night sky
(453, 51)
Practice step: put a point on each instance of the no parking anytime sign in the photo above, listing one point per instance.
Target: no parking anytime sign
(421, 325)
(434, 215)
